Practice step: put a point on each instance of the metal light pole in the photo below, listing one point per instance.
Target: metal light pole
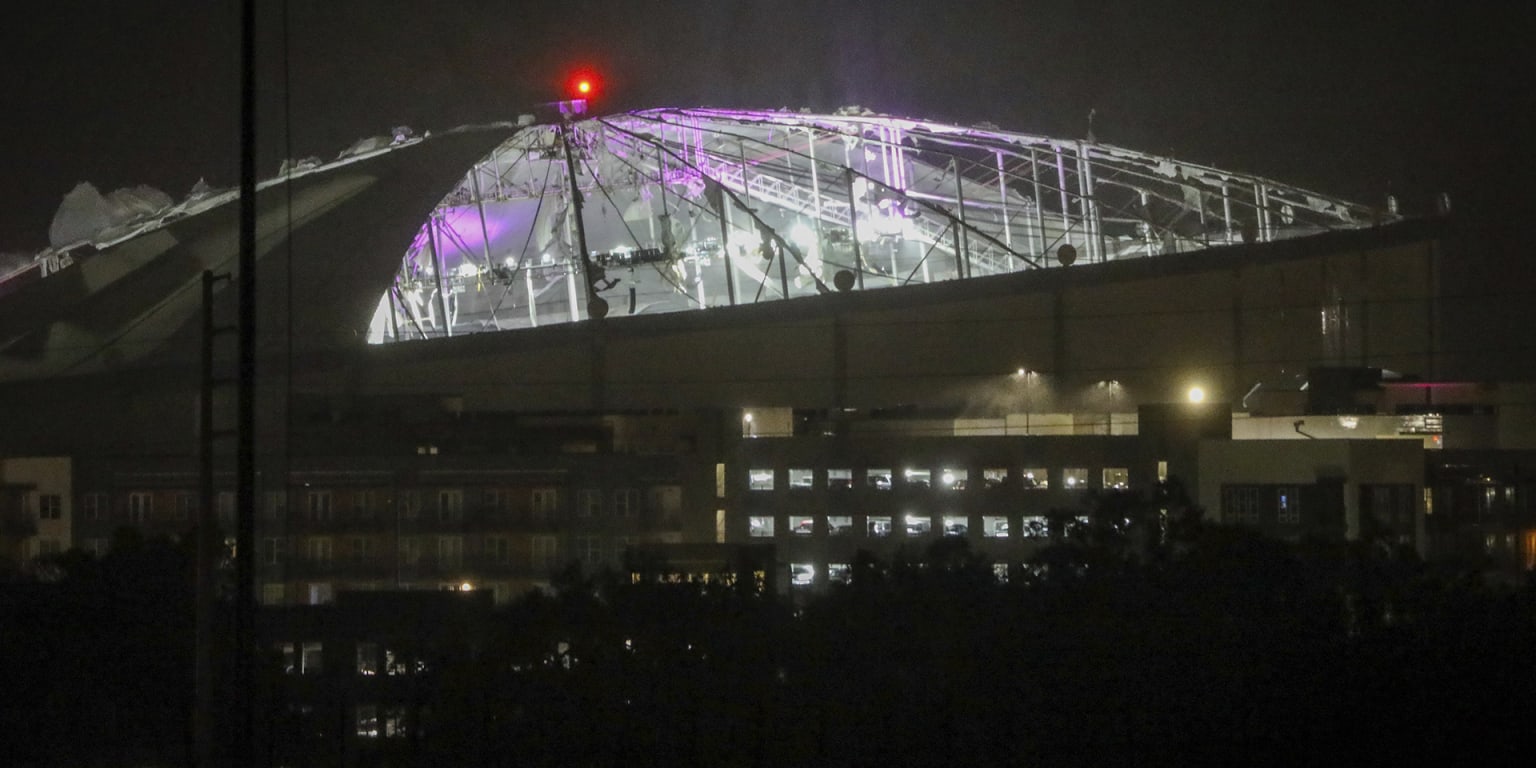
(245, 425)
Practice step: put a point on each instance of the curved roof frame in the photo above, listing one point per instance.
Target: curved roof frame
(701, 208)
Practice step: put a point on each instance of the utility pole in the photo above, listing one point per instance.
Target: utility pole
(244, 752)
(208, 541)
(597, 307)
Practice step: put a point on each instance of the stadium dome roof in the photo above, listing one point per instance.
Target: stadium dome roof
(692, 208)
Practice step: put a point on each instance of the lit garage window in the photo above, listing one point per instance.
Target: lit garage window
(802, 526)
(802, 574)
(955, 525)
(760, 526)
(995, 477)
(839, 573)
(877, 526)
(1118, 478)
(1074, 478)
(994, 527)
(801, 479)
(311, 659)
(1035, 527)
(760, 479)
(953, 479)
(839, 479)
(918, 526)
(879, 479)
(917, 478)
(368, 721)
(839, 525)
(1036, 478)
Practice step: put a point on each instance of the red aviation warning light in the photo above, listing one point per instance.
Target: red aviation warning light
(582, 85)
(580, 89)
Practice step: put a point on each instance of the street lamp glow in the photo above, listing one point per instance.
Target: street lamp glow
(1196, 395)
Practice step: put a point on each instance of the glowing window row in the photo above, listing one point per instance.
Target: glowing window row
(946, 479)
(881, 526)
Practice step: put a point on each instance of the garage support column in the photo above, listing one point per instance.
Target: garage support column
(599, 367)
(839, 366)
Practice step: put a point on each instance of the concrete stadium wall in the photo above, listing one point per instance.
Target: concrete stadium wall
(1223, 319)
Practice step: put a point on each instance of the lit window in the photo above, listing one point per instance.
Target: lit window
(312, 662)
(1000, 572)
(802, 526)
(367, 721)
(839, 525)
(955, 525)
(1035, 527)
(760, 526)
(917, 478)
(1287, 506)
(759, 479)
(839, 573)
(802, 574)
(994, 527)
(287, 656)
(1036, 478)
(801, 479)
(877, 526)
(838, 479)
(878, 479)
(367, 659)
(996, 477)
(918, 526)
(1117, 478)
(391, 723)
(1074, 478)
(953, 479)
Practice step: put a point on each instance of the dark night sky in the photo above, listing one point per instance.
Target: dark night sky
(1356, 99)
